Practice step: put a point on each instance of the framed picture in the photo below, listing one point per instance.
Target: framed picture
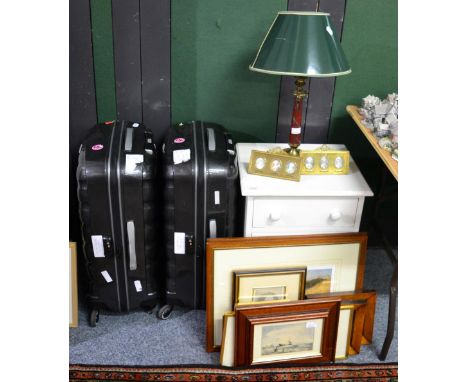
(268, 285)
(350, 327)
(343, 253)
(73, 286)
(369, 298)
(226, 357)
(296, 331)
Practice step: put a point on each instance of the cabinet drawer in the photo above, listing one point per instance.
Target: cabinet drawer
(304, 212)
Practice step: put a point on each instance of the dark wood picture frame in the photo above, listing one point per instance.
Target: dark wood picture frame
(247, 316)
(369, 297)
(213, 245)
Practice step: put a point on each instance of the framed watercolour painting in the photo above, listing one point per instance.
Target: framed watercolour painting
(334, 262)
(73, 286)
(268, 285)
(298, 331)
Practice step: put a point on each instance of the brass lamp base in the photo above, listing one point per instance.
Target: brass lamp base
(293, 151)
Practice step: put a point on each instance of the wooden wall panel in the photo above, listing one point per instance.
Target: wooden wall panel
(82, 98)
(321, 90)
(317, 109)
(155, 25)
(285, 102)
(126, 31)
(141, 31)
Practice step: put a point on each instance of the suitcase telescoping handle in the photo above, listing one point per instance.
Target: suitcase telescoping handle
(131, 245)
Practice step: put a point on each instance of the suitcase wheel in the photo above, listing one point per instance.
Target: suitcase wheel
(165, 312)
(93, 317)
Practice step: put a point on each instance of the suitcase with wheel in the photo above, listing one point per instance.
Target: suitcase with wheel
(201, 192)
(116, 192)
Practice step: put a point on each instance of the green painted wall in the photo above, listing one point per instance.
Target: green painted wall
(370, 38)
(103, 52)
(213, 43)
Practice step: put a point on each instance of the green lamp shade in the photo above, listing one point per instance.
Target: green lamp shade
(301, 44)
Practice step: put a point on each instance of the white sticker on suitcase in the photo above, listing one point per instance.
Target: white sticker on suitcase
(98, 245)
(106, 276)
(216, 197)
(179, 243)
(181, 156)
(138, 286)
(131, 162)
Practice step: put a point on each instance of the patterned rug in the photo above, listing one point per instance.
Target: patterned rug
(383, 372)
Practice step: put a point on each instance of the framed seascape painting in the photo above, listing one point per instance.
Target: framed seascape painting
(299, 331)
(331, 263)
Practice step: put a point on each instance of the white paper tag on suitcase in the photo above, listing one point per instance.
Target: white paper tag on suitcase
(138, 286)
(106, 276)
(181, 156)
(98, 245)
(179, 243)
(216, 197)
(131, 162)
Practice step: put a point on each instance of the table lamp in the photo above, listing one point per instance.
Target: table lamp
(299, 44)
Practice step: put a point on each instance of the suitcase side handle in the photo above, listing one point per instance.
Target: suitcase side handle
(211, 139)
(128, 140)
(131, 245)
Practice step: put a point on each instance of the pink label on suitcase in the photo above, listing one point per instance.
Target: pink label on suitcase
(179, 140)
(97, 147)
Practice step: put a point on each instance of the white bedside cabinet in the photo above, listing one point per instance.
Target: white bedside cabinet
(316, 204)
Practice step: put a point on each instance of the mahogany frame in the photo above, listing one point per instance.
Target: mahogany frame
(268, 242)
(248, 316)
(370, 299)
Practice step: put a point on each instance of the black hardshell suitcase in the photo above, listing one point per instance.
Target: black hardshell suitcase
(201, 192)
(116, 192)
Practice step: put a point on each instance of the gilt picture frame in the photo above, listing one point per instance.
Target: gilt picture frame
(224, 256)
(73, 286)
(288, 332)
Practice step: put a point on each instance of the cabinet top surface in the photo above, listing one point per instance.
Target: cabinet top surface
(352, 184)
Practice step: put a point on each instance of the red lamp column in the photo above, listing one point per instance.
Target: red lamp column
(296, 120)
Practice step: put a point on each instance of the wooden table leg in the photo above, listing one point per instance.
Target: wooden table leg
(391, 310)
(392, 302)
